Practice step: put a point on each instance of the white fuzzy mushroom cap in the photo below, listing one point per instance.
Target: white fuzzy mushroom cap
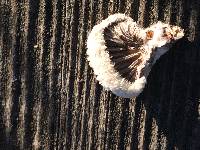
(102, 65)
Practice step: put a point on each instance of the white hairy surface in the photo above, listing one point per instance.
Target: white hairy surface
(100, 61)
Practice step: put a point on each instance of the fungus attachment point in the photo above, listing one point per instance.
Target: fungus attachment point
(122, 53)
(149, 34)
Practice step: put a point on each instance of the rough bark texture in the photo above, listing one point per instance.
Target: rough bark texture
(50, 99)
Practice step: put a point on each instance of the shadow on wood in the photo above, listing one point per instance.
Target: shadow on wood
(172, 98)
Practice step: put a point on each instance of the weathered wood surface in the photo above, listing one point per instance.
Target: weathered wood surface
(50, 99)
